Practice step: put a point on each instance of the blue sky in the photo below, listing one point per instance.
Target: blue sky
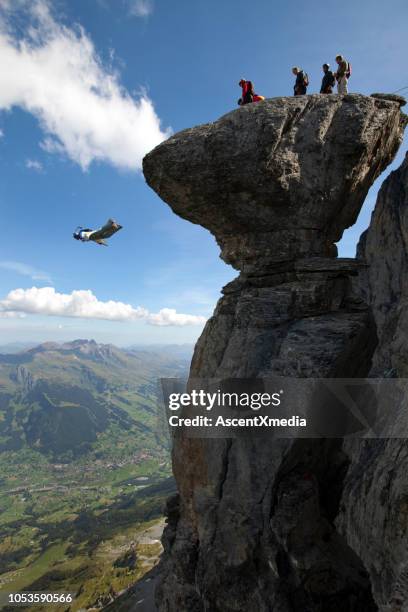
(70, 158)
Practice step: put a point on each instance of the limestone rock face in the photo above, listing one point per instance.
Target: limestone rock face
(254, 524)
(384, 248)
(278, 180)
(376, 485)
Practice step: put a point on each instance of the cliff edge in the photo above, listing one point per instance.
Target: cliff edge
(256, 523)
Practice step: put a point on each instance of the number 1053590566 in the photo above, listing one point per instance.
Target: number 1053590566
(25, 598)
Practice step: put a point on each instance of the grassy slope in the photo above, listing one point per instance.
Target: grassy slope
(66, 518)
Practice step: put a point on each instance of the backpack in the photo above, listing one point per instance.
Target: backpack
(349, 70)
(305, 79)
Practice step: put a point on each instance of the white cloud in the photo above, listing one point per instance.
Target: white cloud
(1, 133)
(34, 164)
(169, 316)
(84, 304)
(25, 270)
(55, 73)
(141, 8)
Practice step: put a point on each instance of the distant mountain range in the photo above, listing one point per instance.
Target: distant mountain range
(62, 399)
(183, 351)
(180, 350)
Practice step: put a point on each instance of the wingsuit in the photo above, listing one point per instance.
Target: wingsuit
(98, 236)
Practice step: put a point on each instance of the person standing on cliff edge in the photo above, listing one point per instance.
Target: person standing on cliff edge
(301, 83)
(328, 80)
(342, 75)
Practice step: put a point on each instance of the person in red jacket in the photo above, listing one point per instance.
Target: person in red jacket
(248, 93)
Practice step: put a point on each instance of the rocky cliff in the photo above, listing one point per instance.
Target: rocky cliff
(256, 524)
(376, 485)
(384, 248)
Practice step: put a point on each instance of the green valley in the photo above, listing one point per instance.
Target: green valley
(84, 467)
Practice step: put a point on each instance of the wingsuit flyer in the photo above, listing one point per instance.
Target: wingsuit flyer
(203, 306)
